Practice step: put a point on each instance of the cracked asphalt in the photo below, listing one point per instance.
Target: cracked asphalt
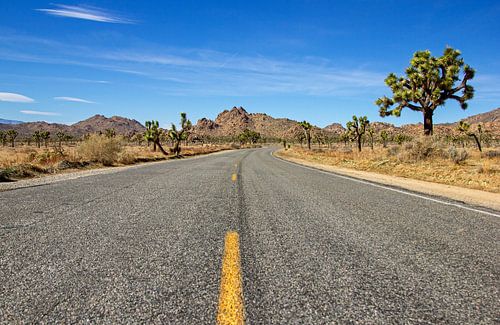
(145, 245)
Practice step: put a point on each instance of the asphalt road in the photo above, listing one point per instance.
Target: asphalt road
(145, 245)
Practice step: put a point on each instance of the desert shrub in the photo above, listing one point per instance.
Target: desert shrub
(492, 154)
(126, 158)
(48, 157)
(419, 150)
(393, 150)
(100, 149)
(458, 156)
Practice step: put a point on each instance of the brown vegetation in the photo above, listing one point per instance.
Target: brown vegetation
(95, 151)
(423, 159)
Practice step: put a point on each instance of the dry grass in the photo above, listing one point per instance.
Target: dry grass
(29, 161)
(431, 162)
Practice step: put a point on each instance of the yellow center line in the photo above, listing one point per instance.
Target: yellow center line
(234, 177)
(231, 309)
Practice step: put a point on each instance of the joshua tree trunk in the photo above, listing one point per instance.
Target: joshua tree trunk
(177, 148)
(160, 147)
(428, 121)
(478, 142)
(309, 142)
(359, 142)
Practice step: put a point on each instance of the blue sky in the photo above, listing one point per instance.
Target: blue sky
(322, 61)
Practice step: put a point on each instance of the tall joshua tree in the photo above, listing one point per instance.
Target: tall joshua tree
(307, 127)
(11, 137)
(153, 134)
(385, 137)
(61, 136)
(371, 132)
(464, 127)
(357, 128)
(179, 135)
(429, 82)
(45, 135)
(37, 136)
(3, 137)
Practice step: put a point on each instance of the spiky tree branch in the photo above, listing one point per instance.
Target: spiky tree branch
(429, 83)
(357, 128)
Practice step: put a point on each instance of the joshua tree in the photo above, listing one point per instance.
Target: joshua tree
(153, 134)
(37, 137)
(178, 135)
(464, 127)
(307, 127)
(430, 81)
(345, 137)
(319, 137)
(45, 135)
(357, 128)
(61, 136)
(11, 137)
(249, 136)
(385, 137)
(371, 132)
(3, 138)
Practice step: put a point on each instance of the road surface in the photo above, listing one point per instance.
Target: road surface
(145, 245)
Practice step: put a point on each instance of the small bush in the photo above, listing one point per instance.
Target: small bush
(127, 158)
(420, 149)
(492, 154)
(100, 149)
(393, 150)
(457, 156)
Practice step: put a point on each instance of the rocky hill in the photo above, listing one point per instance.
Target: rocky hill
(232, 122)
(97, 123)
(488, 117)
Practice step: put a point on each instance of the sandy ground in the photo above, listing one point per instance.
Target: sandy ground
(470, 196)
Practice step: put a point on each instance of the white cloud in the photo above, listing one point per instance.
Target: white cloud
(74, 99)
(40, 113)
(86, 13)
(15, 98)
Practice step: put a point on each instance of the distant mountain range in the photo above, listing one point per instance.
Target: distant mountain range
(230, 123)
(97, 123)
(10, 122)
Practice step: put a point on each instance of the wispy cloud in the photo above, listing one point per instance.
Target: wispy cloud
(15, 98)
(86, 13)
(74, 99)
(190, 71)
(39, 113)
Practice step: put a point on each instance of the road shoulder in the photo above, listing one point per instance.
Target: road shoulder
(469, 196)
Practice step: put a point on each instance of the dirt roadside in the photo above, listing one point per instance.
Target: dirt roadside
(470, 196)
(67, 175)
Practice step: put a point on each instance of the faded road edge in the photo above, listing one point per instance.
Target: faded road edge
(231, 308)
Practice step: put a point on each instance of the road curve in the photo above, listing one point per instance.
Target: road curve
(145, 245)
